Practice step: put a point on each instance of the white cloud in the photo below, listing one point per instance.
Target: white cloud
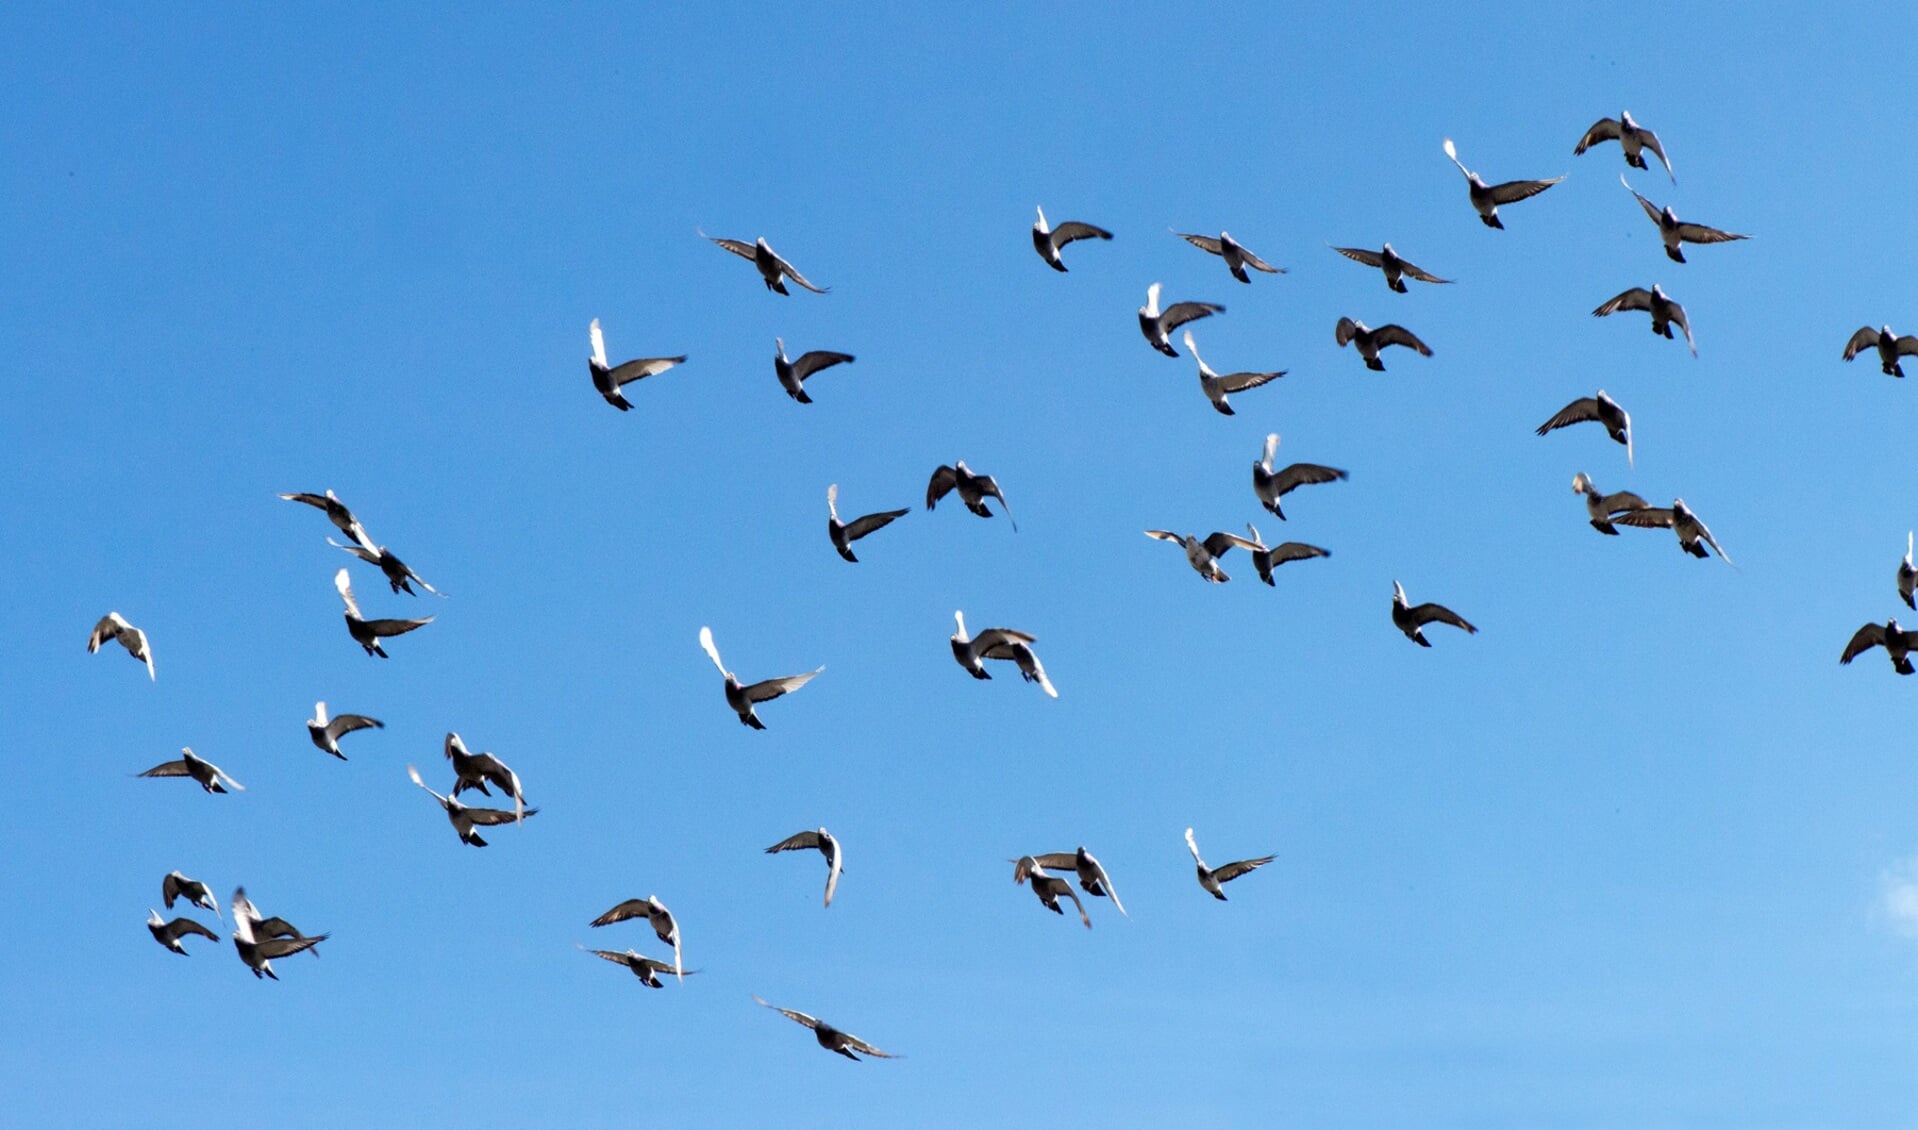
(1899, 896)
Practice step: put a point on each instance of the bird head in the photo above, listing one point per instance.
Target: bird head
(1042, 227)
(1582, 483)
(1151, 307)
(1398, 594)
(960, 619)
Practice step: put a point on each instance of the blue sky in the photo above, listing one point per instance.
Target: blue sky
(1641, 853)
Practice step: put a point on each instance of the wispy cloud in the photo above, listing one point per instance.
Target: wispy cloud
(1899, 896)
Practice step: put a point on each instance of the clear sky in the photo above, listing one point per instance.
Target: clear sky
(1641, 853)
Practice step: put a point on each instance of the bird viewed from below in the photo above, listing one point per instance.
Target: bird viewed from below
(1215, 386)
(1048, 241)
(647, 969)
(1897, 642)
(1204, 556)
(326, 733)
(1236, 257)
(1671, 232)
(792, 374)
(336, 513)
(169, 934)
(1600, 409)
(1631, 137)
(973, 490)
(743, 697)
(1050, 888)
(998, 643)
(1092, 874)
(475, 770)
(1156, 324)
(1396, 270)
(822, 841)
(265, 926)
(206, 774)
(1369, 341)
(1270, 486)
(399, 575)
(1412, 619)
(177, 886)
(1267, 559)
(1487, 197)
(609, 380)
(369, 633)
(772, 269)
(665, 927)
(1663, 310)
(1601, 507)
(258, 950)
(1907, 575)
(466, 821)
(1889, 345)
(830, 1038)
(113, 628)
(843, 534)
(1214, 878)
(1692, 534)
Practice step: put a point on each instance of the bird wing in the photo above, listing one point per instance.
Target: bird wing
(1230, 871)
(631, 371)
(1623, 500)
(1204, 243)
(1513, 191)
(1193, 846)
(1295, 551)
(835, 863)
(271, 948)
(316, 500)
(859, 1045)
(1647, 518)
(818, 359)
(738, 247)
(1865, 338)
(1684, 323)
(1032, 669)
(170, 889)
(1345, 331)
(1652, 143)
(180, 927)
(1394, 334)
(618, 957)
(1218, 542)
(344, 584)
(1907, 346)
(1065, 889)
(1166, 535)
(370, 556)
(1305, 474)
(1179, 313)
(415, 775)
(1706, 533)
(1105, 882)
(1438, 613)
(599, 345)
(712, 653)
(799, 278)
(1651, 209)
(997, 643)
(942, 481)
(168, 769)
(1072, 231)
(347, 723)
(1863, 640)
(1257, 264)
(1361, 255)
(1637, 298)
(990, 486)
(220, 774)
(109, 627)
(495, 770)
(797, 842)
(790, 1014)
(1699, 233)
(631, 908)
(1577, 412)
(384, 628)
(773, 688)
(860, 527)
(1239, 382)
(489, 817)
(1604, 129)
(1420, 273)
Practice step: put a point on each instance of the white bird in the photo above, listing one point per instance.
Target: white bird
(998, 643)
(1411, 620)
(1369, 341)
(609, 379)
(474, 770)
(973, 490)
(1889, 345)
(1048, 240)
(830, 1038)
(771, 267)
(369, 633)
(113, 627)
(466, 820)
(326, 733)
(1211, 878)
(1396, 270)
(1907, 575)
(743, 697)
(336, 513)
(1092, 874)
(1487, 197)
(1600, 409)
(1680, 520)
(399, 574)
(1156, 324)
(1216, 387)
(1204, 556)
(1236, 257)
(1048, 887)
(1601, 507)
(645, 968)
(656, 916)
(169, 934)
(843, 534)
(1671, 232)
(1272, 485)
(1663, 310)
(1897, 643)
(825, 844)
(1631, 137)
(178, 886)
(208, 775)
(256, 950)
(792, 373)
(1265, 560)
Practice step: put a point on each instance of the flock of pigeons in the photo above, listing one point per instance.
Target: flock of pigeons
(259, 939)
